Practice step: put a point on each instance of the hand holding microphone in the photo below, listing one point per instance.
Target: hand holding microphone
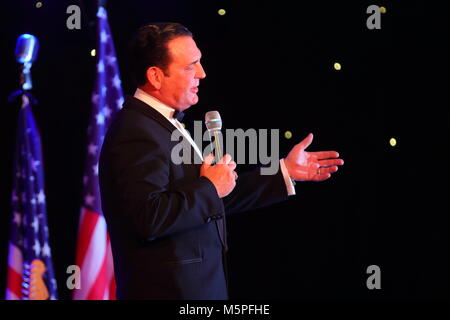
(222, 174)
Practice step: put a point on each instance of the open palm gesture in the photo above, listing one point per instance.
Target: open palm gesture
(311, 166)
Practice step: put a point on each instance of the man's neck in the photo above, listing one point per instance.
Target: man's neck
(154, 102)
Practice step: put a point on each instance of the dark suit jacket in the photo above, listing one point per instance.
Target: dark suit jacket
(166, 223)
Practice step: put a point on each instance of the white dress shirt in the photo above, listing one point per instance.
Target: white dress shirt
(168, 112)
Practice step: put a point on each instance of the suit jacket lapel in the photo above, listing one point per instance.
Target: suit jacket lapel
(141, 107)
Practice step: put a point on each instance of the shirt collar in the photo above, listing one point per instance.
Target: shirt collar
(166, 111)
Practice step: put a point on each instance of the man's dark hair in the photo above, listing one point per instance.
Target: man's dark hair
(149, 48)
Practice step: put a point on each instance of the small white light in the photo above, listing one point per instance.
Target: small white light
(393, 142)
(221, 12)
(93, 52)
(337, 66)
(288, 134)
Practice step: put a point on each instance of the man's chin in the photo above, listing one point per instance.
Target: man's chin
(194, 101)
(189, 104)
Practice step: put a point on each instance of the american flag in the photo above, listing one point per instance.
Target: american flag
(30, 269)
(94, 249)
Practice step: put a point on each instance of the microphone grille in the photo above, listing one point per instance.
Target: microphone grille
(26, 48)
(213, 120)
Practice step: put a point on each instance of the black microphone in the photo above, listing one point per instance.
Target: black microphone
(26, 51)
(213, 123)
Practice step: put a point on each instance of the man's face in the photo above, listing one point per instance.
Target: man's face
(180, 85)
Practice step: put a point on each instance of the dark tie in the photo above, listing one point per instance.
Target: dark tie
(178, 115)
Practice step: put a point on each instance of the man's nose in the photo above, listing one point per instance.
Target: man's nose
(200, 73)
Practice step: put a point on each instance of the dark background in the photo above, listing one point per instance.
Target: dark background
(269, 64)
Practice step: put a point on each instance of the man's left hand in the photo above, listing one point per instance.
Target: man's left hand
(311, 166)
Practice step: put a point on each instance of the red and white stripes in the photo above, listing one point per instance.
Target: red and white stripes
(94, 258)
(14, 280)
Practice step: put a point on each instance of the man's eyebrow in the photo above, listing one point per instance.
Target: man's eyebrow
(192, 63)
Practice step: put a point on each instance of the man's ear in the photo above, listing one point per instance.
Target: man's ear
(155, 77)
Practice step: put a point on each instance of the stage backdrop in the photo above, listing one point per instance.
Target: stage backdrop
(273, 65)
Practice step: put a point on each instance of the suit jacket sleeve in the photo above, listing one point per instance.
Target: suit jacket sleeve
(254, 190)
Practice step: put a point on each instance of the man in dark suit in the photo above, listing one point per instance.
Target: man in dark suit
(167, 221)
